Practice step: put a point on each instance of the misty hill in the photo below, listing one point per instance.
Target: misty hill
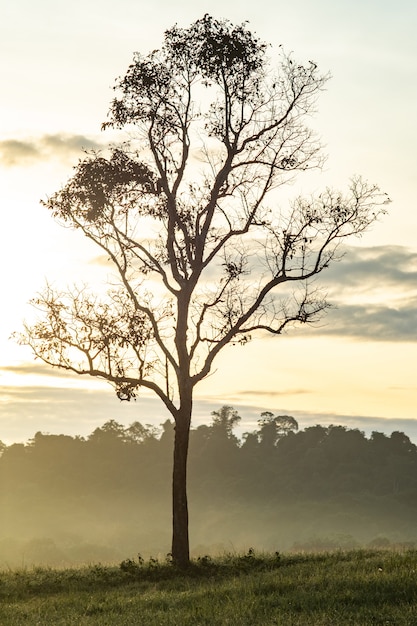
(106, 497)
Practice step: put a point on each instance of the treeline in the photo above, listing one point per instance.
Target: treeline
(108, 494)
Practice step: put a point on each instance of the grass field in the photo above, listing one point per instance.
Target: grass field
(359, 587)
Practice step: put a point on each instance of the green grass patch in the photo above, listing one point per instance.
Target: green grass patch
(360, 588)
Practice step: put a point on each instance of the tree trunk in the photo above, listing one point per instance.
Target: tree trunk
(180, 540)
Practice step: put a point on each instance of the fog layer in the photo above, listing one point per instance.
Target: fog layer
(71, 500)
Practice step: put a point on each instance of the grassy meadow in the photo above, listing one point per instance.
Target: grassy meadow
(360, 588)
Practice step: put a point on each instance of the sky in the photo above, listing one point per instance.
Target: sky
(58, 63)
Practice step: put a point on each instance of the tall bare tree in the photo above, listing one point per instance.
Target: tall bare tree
(181, 212)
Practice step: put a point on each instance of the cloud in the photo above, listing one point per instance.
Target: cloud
(374, 295)
(57, 410)
(26, 410)
(101, 260)
(375, 322)
(17, 152)
(37, 369)
(274, 392)
(374, 267)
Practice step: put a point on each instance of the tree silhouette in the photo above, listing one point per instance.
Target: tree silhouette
(273, 428)
(180, 211)
(223, 422)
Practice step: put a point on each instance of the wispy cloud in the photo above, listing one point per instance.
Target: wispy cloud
(41, 370)
(273, 392)
(17, 152)
(36, 369)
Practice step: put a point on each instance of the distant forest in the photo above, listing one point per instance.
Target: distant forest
(68, 500)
